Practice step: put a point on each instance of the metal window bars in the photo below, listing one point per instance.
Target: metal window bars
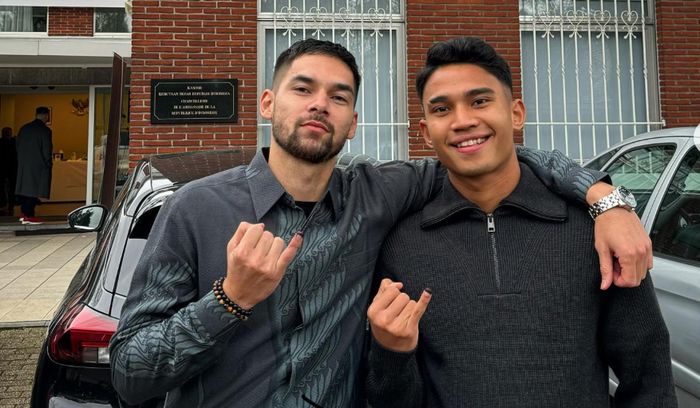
(589, 73)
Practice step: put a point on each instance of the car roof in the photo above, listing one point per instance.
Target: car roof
(181, 168)
(170, 171)
(684, 132)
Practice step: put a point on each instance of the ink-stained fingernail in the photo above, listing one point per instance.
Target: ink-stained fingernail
(430, 291)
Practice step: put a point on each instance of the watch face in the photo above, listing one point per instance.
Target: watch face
(627, 196)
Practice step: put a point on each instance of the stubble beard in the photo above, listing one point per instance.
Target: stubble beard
(293, 145)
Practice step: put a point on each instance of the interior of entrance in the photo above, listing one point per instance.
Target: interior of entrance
(69, 122)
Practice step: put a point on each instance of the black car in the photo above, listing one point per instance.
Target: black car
(73, 367)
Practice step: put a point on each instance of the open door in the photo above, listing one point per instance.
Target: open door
(111, 147)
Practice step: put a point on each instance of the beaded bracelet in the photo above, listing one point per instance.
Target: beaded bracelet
(230, 305)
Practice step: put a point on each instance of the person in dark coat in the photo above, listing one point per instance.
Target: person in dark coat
(34, 152)
(8, 170)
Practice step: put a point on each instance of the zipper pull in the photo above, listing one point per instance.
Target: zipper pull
(490, 223)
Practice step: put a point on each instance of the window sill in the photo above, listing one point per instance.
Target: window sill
(24, 34)
(112, 35)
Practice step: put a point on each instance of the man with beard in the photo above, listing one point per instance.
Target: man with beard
(188, 328)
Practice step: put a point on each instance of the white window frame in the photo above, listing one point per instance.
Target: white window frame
(26, 34)
(107, 34)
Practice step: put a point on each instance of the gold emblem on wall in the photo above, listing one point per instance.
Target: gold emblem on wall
(81, 107)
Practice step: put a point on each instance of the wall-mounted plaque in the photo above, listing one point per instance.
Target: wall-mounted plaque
(194, 101)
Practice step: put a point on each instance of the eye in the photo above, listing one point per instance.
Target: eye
(301, 89)
(339, 98)
(439, 109)
(480, 101)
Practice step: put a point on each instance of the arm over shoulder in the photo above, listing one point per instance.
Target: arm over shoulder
(408, 186)
(561, 174)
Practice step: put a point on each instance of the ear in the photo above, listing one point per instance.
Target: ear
(423, 125)
(267, 104)
(518, 114)
(353, 127)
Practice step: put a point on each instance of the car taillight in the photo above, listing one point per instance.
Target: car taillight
(82, 337)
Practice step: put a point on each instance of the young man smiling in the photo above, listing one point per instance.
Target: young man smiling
(188, 330)
(514, 316)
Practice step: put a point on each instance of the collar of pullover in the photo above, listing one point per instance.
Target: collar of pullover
(530, 196)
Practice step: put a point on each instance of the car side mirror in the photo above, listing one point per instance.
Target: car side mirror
(88, 218)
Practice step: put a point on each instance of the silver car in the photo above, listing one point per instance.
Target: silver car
(662, 169)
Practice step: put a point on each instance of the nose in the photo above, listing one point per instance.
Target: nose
(319, 104)
(465, 118)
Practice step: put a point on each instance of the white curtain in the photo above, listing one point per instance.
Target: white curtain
(16, 19)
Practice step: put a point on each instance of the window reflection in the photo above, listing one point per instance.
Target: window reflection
(676, 230)
(22, 19)
(639, 170)
(111, 20)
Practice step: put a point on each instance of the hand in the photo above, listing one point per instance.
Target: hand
(624, 248)
(256, 262)
(394, 317)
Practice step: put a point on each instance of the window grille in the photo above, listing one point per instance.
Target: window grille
(589, 73)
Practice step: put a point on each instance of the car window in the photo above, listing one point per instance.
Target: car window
(600, 161)
(640, 169)
(676, 230)
(134, 247)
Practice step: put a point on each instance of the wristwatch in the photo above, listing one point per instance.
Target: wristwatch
(619, 197)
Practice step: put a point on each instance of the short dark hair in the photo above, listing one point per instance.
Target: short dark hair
(42, 110)
(464, 50)
(311, 46)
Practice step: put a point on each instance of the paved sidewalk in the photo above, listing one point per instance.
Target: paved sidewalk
(19, 351)
(35, 272)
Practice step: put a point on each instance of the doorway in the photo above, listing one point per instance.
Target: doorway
(69, 108)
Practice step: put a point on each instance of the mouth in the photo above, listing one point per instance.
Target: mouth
(473, 142)
(471, 145)
(315, 125)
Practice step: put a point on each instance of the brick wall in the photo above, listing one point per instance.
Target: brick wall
(429, 21)
(70, 21)
(678, 31)
(198, 39)
(217, 39)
